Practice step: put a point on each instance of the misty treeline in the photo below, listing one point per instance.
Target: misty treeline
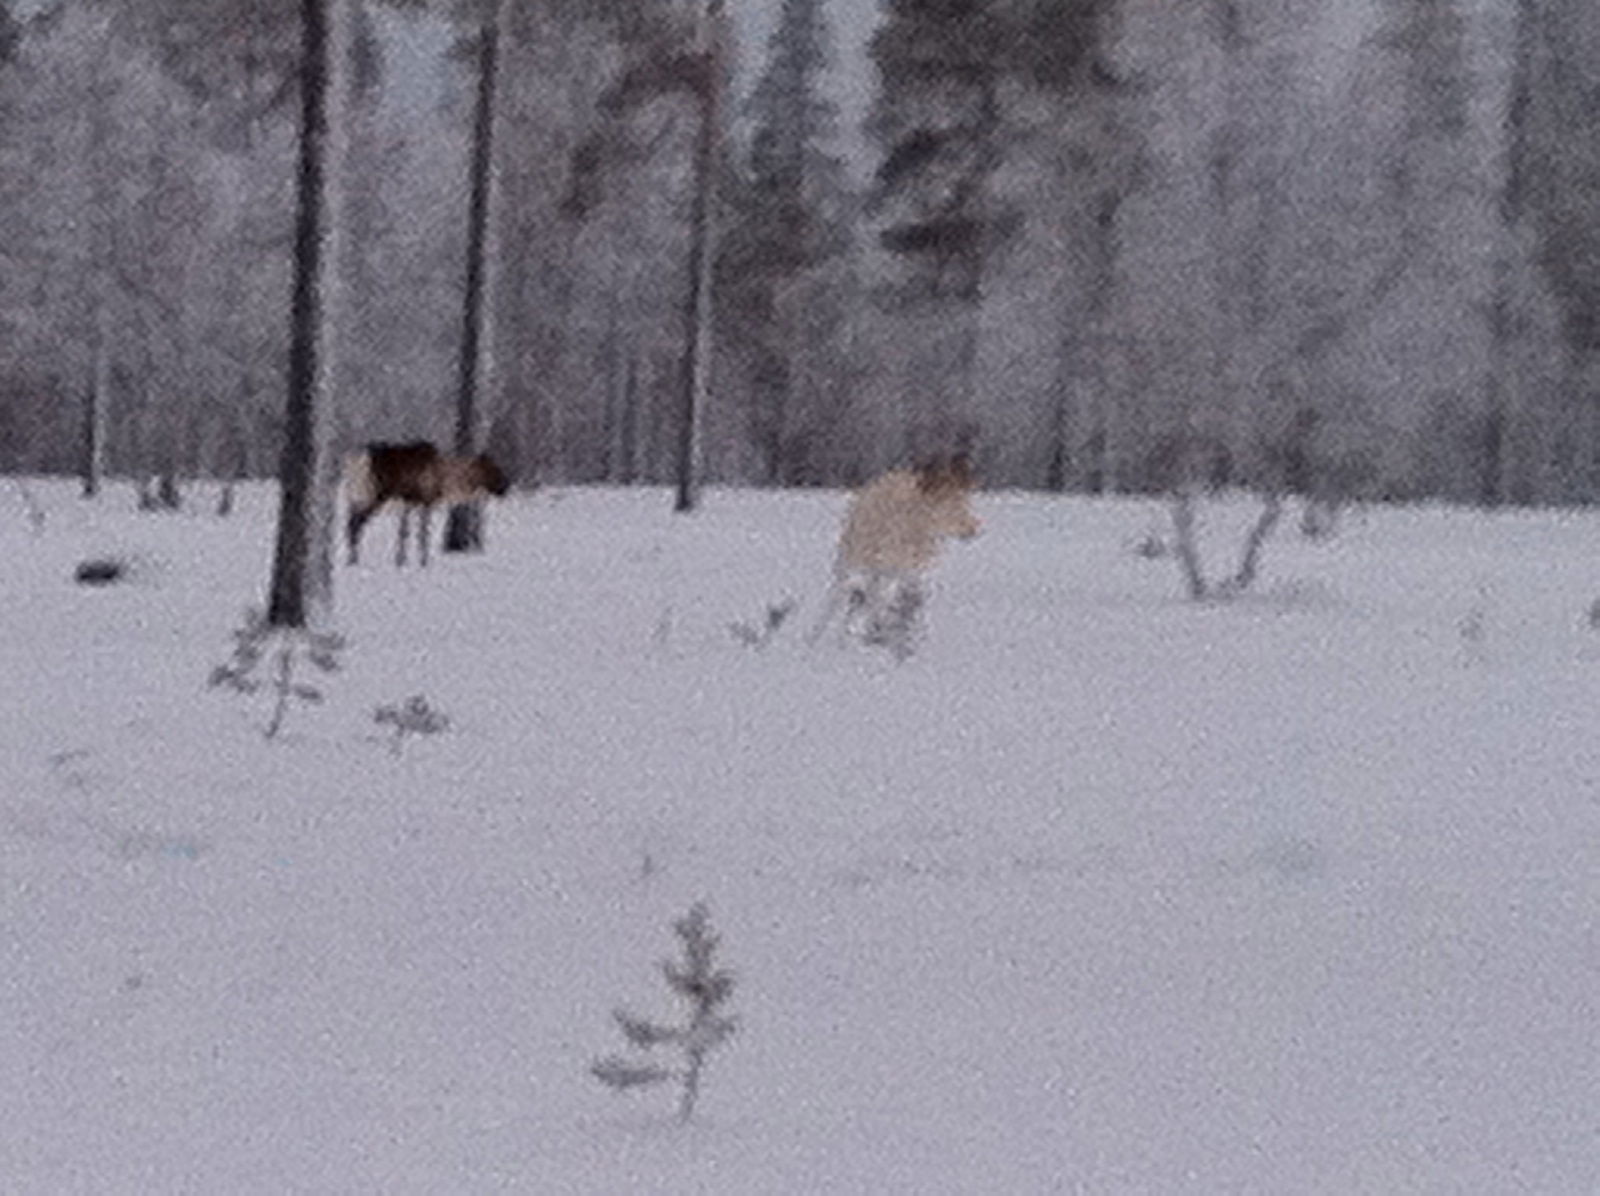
(1355, 250)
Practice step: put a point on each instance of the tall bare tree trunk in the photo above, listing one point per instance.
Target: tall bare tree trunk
(302, 571)
(102, 237)
(1497, 482)
(702, 224)
(97, 409)
(628, 431)
(1230, 411)
(464, 530)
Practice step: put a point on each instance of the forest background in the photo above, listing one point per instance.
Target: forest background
(1361, 239)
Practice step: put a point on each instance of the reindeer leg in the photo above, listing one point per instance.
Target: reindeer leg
(861, 600)
(405, 531)
(846, 598)
(425, 533)
(874, 602)
(354, 523)
(896, 623)
(864, 599)
(831, 607)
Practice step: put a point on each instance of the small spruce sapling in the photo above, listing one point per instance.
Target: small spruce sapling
(254, 639)
(1152, 547)
(759, 637)
(704, 987)
(414, 717)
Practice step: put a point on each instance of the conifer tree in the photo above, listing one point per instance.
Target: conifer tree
(10, 32)
(946, 69)
(789, 221)
(704, 988)
(1559, 93)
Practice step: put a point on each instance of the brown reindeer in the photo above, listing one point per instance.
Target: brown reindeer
(892, 534)
(416, 475)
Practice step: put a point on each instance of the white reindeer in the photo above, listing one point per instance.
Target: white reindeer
(892, 535)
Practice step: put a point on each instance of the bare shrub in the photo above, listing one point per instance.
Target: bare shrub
(1289, 462)
(1187, 548)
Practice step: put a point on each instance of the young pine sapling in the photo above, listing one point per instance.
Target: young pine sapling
(415, 717)
(704, 988)
(253, 640)
(759, 637)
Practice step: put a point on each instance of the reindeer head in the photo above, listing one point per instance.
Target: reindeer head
(946, 485)
(490, 476)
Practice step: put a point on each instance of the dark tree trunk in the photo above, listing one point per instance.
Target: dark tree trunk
(301, 583)
(697, 323)
(102, 217)
(628, 432)
(1055, 477)
(464, 530)
(1495, 468)
(97, 408)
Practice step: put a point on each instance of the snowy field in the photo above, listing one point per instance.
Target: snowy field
(1100, 892)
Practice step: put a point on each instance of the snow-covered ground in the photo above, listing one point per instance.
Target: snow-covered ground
(1100, 892)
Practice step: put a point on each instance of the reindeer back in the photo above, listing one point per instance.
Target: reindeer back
(896, 524)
